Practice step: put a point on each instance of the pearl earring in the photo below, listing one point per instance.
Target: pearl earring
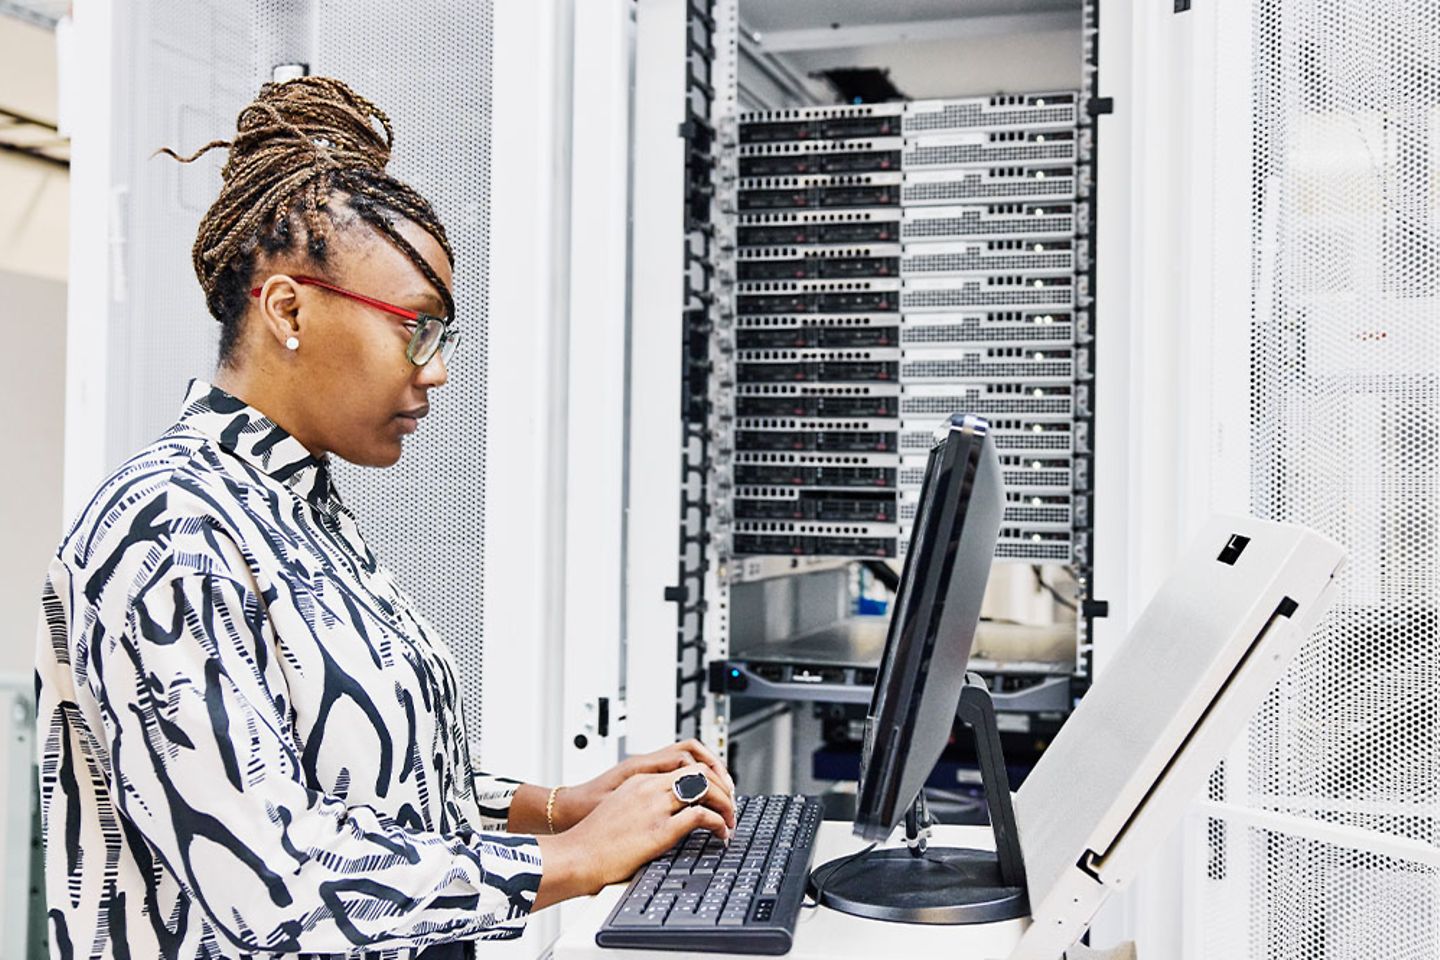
(293, 343)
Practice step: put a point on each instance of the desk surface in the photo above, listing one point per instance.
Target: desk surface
(822, 933)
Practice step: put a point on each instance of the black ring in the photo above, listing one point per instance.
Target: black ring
(689, 788)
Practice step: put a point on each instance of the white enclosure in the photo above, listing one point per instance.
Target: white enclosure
(1322, 835)
(1283, 349)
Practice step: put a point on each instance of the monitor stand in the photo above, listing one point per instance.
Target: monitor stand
(921, 884)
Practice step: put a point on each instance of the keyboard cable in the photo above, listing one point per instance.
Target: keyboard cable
(844, 864)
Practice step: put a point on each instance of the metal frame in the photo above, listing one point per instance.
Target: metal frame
(953, 28)
(725, 74)
(23, 933)
(54, 149)
(655, 377)
(95, 251)
(597, 428)
(1087, 321)
(791, 88)
(699, 314)
(31, 13)
(523, 556)
(1048, 695)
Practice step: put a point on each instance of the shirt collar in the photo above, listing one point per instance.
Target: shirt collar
(255, 438)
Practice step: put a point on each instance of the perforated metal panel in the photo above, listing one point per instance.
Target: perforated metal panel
(183, 71)
(185, 68)
(428, 65)
(1329, 842)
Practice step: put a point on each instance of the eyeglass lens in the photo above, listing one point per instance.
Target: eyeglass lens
(429, 336)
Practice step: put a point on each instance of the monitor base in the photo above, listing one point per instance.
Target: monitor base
(944, 886)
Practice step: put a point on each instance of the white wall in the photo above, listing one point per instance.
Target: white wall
(34, 210)
(34, 229)
(34, 195)
(32, 392)
(34, 240)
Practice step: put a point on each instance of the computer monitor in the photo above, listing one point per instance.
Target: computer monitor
(932, 629)
(920, 687)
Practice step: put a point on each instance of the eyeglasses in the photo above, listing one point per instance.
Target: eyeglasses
(430, 333)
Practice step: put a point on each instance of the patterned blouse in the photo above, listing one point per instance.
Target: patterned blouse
(251, 742)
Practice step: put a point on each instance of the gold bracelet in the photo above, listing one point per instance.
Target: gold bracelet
(550, 809)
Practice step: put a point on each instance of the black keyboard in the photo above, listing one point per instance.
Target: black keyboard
(705, 895)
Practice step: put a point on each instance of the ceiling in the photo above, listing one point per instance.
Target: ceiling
(930, 48)
(766, 15)
(42, 12)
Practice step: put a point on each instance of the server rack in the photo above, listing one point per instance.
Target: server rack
(872, 269)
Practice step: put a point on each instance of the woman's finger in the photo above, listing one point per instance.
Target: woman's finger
(660, 761)
(677, 756)
(700, 817)
(717, 798)
(705, 755)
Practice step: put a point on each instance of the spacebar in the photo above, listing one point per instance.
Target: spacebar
(752, 940)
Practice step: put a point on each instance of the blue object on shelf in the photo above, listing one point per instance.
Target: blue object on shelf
(865, 607)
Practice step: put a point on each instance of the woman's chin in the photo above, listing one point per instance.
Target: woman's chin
(381, 452)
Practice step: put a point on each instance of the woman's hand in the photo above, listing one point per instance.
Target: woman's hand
(634, 823)
(573, 804)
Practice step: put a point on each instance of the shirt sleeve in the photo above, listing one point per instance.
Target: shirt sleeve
(205, 769)
(493, 795)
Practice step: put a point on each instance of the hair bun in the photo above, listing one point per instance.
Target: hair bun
(319, 118)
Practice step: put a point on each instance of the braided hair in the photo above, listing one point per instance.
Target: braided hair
(298, 145)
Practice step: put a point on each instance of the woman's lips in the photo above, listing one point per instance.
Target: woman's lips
(410, 419)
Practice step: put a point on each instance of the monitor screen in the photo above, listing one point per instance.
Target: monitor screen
(932, 628)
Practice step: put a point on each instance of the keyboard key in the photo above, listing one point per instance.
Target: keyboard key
(632, 907)
(703, 884)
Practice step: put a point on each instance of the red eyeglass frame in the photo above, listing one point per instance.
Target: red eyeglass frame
(390, 308)
(444, 345)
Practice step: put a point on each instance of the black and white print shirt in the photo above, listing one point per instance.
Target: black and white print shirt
(251, 742)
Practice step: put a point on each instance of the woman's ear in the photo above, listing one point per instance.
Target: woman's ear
(279, 306)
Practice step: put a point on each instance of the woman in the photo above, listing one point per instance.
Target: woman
(252, 739)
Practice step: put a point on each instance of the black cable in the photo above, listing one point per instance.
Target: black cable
(948, 866)
(882, 572)
(841, 865)
(1058, 597)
